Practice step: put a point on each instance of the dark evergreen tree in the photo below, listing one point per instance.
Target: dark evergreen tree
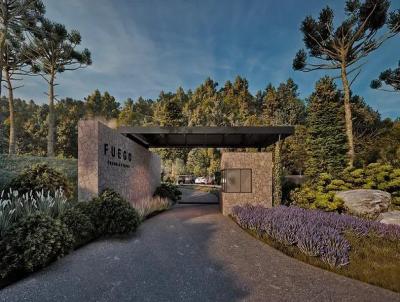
(168, 112)
(16, 17)
(282, 107)
(389, 77)
(68, 112)
(101, 106)
(53, 50)
(238, 103)
(343, 47)
(205, 106)
(326, 138)
(367, 128)
(136, 113)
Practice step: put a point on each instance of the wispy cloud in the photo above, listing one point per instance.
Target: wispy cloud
(142, 47)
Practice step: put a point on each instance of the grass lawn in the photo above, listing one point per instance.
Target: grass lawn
(372, 259)
(11, 166)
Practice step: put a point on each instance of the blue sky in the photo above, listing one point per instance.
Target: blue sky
(141, 47)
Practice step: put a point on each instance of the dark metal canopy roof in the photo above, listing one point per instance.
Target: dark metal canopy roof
(208, 137)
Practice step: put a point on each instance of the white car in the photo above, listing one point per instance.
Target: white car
(200, 180)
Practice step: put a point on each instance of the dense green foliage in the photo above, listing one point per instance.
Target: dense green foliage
(41, 177)
(168, 190)
(317, 195)
(282, 107)
(12, 166)
(32, 243)
(98, 105)
(342, 45)
(374, 176)
(79, 224)
(232, 104)
(389, 77)
(41, 235)
(321, 194)
(110, 214)
(326, 141)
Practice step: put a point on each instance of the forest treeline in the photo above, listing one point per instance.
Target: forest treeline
(319, 142)
(334, 127)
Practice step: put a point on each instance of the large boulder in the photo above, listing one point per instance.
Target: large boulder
(392, 217)
(364, 202)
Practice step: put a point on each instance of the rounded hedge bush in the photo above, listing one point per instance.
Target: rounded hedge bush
(110, 214)
(32, 243)
(79, 224)
(114, 215)
(41, 177)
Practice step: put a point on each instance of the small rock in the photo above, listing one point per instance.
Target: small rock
(392, 217)
(364, 202)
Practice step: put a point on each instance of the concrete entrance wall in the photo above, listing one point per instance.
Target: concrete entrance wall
(260, 164)
(107, 159)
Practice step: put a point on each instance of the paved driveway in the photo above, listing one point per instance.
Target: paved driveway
(190, 253)
(197, 197)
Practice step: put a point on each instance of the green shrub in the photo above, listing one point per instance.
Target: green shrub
(310, 198)
(110, 214)
(79, 224)
(40, 177)
(320, 193)
(168, 190)
(375, 176)
(32, 243)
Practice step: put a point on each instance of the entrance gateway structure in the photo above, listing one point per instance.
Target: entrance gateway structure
(120, 159)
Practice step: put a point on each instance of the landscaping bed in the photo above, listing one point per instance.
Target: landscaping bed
(41, 220)
(361, 249)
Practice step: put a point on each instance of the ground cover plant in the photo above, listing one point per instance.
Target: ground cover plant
(361, 249)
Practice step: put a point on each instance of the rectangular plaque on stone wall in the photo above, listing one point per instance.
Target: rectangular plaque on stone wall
(236, 181)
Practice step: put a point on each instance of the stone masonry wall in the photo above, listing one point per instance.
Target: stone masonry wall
(107, 159)
(261, 165)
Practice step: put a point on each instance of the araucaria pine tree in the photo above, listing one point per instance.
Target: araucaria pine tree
(343, 47)
(326, 138)
(53, 50)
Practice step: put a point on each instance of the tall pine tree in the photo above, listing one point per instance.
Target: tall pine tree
(281, 107)
(326, 138)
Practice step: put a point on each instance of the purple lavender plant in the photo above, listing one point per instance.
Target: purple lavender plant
(314, 232)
